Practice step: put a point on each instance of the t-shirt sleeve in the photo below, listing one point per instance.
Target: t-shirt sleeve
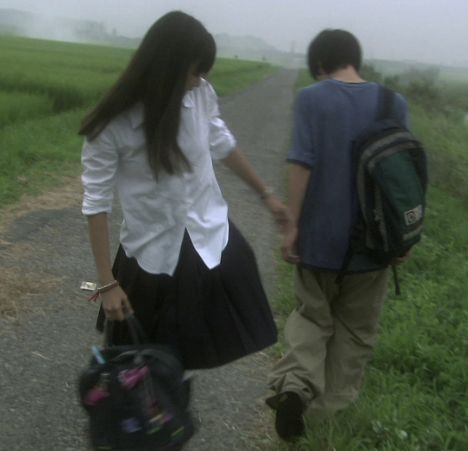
(302, 150)
(401, 111)
(222, 141)
(99, 158)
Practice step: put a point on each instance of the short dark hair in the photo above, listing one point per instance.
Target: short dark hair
(331, 50)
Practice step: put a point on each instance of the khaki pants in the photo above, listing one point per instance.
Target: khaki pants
(330, 335)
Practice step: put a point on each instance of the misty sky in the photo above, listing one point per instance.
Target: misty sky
(424, 30)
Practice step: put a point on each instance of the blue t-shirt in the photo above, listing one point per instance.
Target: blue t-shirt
(328, 116)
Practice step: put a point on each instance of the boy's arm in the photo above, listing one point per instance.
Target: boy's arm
(298, 180)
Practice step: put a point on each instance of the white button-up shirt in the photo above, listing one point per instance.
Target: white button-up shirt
(156, 213)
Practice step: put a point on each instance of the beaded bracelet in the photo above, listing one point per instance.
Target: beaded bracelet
(108, 286)
(103, 289)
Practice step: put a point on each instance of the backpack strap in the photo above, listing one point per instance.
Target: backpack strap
(396, 280)
(385, 103)
(385, 100)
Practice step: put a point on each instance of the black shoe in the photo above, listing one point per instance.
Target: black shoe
(289, 422)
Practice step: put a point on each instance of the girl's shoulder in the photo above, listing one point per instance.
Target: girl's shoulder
(123, 127)
(203, 97)
(205, 90)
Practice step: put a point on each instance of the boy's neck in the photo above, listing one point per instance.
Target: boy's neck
(347, 74)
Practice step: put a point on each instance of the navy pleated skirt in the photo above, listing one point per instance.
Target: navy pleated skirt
(211, 317)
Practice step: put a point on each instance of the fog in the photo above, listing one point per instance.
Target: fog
(432, 31)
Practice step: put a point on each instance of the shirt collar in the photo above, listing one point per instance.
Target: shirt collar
(188, 101)
(137, 112)
(136, 115)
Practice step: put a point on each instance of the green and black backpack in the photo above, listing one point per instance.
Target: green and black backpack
(391, 180)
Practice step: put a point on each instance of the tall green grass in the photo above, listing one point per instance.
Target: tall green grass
(20, 106)
(445, 137)
(72, 75)
(415, 396)
(75, 75)
(37, 154)
(46, 87)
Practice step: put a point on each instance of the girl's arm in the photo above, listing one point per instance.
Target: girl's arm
(114, 301)
(237, 162)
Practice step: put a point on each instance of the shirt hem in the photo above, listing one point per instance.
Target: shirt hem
(337, 271)
(300, 163)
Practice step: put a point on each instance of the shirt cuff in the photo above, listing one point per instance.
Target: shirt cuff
(93, 206)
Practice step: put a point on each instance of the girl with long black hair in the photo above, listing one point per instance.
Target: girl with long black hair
(182, 267)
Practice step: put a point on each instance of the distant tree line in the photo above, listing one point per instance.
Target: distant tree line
(424, 87)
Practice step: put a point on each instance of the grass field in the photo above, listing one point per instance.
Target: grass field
(415, 392)
(46, 87)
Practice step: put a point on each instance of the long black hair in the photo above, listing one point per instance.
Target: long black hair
(157, 76)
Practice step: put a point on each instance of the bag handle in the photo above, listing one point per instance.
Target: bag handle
(138, 336)
(137, 333)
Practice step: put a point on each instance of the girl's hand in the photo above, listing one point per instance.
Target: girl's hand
(289, 245)
(279, 211)
(116, 304)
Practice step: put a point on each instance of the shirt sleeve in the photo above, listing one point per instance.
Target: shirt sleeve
(401, 111)
(302, 150)
(99, 159)
(222, 141)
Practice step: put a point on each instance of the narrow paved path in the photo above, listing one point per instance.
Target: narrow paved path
(46, 327)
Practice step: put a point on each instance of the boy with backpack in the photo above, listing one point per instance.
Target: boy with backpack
(342, 254)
